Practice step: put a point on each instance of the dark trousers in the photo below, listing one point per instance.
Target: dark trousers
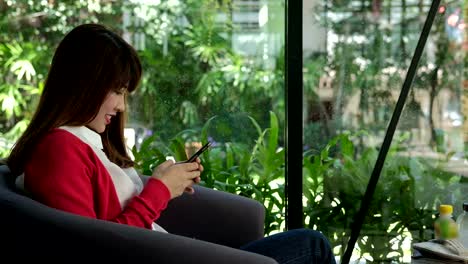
(297, 246)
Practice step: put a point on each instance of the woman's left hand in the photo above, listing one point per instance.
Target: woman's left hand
(196, 180)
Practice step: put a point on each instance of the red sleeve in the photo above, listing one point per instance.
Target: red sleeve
(62, 174)
(144, 209)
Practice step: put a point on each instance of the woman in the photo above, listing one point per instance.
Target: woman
(80, 162)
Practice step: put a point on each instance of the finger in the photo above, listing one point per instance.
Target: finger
(194, 175)
(189, 190)
(197, 180)
(200, 166)
(192, 166)
(189, 175)
(186, 167)
(161, 168)
(166, 164)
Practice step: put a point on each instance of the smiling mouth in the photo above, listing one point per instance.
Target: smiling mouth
(108, 119)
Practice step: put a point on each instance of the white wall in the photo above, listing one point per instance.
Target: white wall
(314, 36)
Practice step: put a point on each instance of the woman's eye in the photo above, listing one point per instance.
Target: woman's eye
(121, 91)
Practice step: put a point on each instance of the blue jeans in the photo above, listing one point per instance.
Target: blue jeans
(297, 246)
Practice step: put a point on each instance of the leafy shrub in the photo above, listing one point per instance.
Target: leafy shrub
(335, 179)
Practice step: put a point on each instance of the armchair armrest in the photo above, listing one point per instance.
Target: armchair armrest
(67, 237)
(215, 216)
(33, 231)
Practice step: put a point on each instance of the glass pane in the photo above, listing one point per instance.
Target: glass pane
(212, 70)
(29, 33)
(356, 54)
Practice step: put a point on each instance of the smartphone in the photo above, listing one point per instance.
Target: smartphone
(199, 152)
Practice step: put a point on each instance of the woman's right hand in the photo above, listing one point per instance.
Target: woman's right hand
(177, 177)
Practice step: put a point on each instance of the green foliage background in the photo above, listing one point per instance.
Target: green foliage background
(196, 88)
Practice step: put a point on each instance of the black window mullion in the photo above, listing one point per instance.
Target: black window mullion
(294, 119)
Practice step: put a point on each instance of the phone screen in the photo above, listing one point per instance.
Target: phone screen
(199, 152)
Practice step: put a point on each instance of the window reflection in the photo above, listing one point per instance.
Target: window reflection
(351, 86)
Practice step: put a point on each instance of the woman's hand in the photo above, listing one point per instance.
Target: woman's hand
(178, 177)
(189, 189)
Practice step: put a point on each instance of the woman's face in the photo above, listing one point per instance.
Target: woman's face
(114, 103)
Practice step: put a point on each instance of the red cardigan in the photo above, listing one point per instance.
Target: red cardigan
(66, 174)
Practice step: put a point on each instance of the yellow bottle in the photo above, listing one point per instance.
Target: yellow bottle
(445, 226)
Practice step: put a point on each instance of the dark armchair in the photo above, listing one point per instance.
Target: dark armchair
(206, 227)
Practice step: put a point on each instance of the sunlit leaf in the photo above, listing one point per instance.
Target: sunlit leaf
(23, 68)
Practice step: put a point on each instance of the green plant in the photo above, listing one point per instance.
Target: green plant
(335, 178)
(19, 88)
(335, 182)
(255, 171)
(29, 33)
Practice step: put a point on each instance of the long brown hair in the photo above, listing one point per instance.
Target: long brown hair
(89, 62)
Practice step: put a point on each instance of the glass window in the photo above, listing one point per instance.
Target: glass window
(356, 56)
(212, 70)
(215, 70)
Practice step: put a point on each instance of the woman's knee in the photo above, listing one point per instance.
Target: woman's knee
(317, 241)
(310, 234)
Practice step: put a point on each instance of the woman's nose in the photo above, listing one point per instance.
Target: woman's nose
(121, 104)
